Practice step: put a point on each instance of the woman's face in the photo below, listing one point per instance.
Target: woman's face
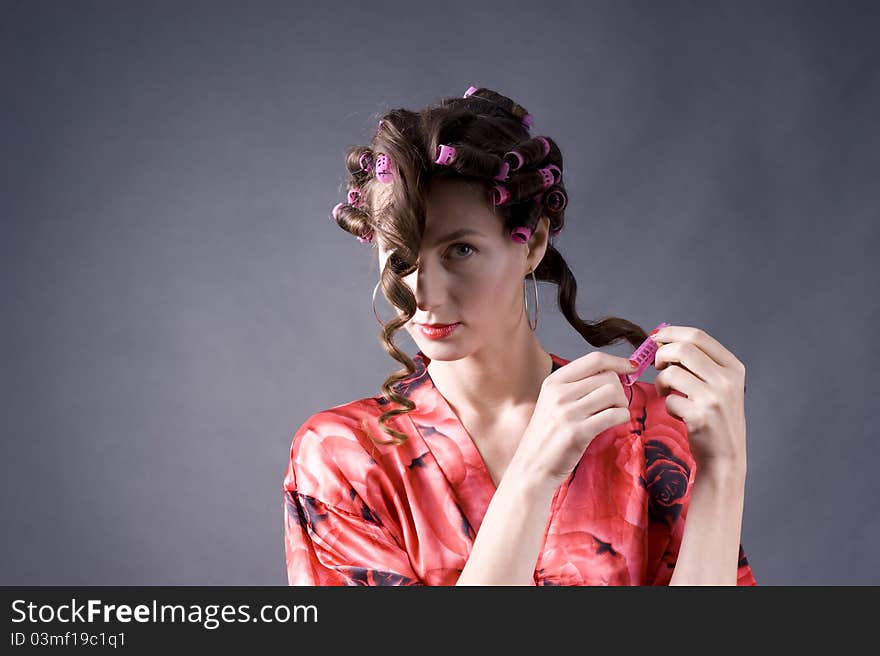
(475, 279)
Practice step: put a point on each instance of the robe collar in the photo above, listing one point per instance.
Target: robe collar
(449, 441)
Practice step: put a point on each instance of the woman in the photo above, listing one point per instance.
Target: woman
(506, 464)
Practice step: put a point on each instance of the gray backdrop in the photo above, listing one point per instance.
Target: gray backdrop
(175, 301)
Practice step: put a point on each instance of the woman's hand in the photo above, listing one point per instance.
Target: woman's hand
(576, 403)
(707, 385)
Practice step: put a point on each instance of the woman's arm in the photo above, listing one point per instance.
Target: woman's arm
(506, 548)
(710, 544)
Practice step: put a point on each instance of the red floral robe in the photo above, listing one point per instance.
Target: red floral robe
(356, 513)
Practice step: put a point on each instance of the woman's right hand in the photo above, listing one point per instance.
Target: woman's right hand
(577, 402)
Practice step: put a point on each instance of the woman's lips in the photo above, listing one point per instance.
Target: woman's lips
(439, 331)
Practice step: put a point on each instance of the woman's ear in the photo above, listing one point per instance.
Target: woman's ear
(538, 243)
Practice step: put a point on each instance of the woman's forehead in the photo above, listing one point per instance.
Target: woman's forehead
(451, 204)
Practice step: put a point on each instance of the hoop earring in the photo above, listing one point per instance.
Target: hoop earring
(375, 289)
(526, 300)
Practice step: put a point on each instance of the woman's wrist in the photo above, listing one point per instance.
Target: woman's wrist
(530, 480)
(726, 470)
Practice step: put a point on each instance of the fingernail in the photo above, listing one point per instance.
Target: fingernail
(653, 331)
(633, 364)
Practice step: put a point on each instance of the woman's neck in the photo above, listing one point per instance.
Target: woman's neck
(495, 380)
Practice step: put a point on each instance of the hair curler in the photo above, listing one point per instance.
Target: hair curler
(642, 357)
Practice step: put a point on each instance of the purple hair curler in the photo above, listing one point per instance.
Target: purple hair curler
(445, 154)
(503, 172)
(521, 234)
(469, 92)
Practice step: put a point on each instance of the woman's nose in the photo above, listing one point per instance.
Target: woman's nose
(428, 286)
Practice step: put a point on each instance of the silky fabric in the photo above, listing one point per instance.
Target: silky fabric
(358, 513)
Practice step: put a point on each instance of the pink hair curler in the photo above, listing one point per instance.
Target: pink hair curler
(642, 357)
(526, 120)
(557, 173)
(503, 172)
(383, 168)
(514, 159)
(546, 143)
(445, 154)
(499, 194)
(521, 234)
(555, 201)
(549, 178)
(364, 240)
(354, 196)
(335, 210)
(366, 161)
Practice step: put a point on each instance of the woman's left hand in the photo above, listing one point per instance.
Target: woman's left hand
(708, 393)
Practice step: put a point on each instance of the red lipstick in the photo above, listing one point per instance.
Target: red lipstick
(439, 330)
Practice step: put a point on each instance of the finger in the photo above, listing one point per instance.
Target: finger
(706, 343)
(677, 379)
(677, 406)
(687, 356)
(591, 364)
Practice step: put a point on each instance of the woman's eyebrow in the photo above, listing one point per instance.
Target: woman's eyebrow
(455, 234)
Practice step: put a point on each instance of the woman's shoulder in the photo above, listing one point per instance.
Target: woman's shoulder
(343, 422)
(327, 452)
(340, 441)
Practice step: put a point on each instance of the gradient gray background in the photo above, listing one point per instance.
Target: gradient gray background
(175, 301)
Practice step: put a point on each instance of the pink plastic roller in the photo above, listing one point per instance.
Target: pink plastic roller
(642, 357)
(384, 171)
(521, 234)
(445, 154)
(499, 195)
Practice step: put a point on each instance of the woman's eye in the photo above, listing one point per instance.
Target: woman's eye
(462, 245)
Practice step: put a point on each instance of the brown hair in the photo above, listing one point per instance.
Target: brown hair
(482, 127)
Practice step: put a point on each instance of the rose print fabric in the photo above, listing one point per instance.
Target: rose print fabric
(357, 513)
